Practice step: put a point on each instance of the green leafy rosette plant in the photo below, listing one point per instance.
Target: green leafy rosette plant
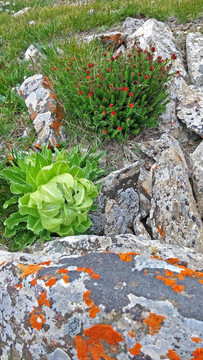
(114, 96)
(54, 194)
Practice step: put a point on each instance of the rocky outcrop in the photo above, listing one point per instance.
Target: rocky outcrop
(91, 305)
(44, 111)
(197, 176)
(194, 44)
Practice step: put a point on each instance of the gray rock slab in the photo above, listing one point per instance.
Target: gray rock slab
(194, 54)
(197, 176)
(102, 303)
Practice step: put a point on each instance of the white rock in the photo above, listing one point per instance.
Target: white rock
(32, 51)
(197, 158)
(194, 54)
(21, 12)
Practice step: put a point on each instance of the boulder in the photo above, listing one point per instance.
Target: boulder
(42, 106)
(197, 177)
(61, 303)
(194, 49)
(174, 216)
(118, 202)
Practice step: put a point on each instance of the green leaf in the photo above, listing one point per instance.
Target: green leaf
(76, 172)
(48, 172)
(34, 224)
(12, 200)
(20, 189)
(14, 220)
(13, 176)
(50, 223)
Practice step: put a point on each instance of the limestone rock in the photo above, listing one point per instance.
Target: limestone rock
(121, 187)
(194, 50)
(174, 217)
(197, 157)
(67, 305)
(140, 230)
(41, 104)
(190, 109)
(130, 25)
(21, 12)
(32, 51)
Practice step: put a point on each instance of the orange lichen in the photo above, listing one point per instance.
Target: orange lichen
(169, 273)
(172, 355)
(46, 83)
(136, 349)
(198, 354)
(20, 92)
(43, 299)
(201, 281)
(45, 263)
(65, 279)
(188, 272)
(29, 269)
(90, 272)
(167, 282)
(145, 272)
(156, 167)
(34, 115)
(196, 339)
(160, 231)
(52, 96)
(127, 256)
(3, 263)
(36, 320)
(131, 334)
(154, 322)
(51, 282)
(38, 146)
(19, 286)
(62, 271)
(33, 282)
(181, 277)
(89, 302)
(180, 157)
(173, 260)
(92, 348)
(56, 125)
(178, 288)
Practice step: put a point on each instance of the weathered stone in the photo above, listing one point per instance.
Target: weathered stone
(174, 217)
(157, 34)
(41, 103)
(32, 51)
(121, 187)
(190, 109)
(21, 12)
(197, 176)
(130, 25)
(140, 230)
(98, 304)
(194, 50)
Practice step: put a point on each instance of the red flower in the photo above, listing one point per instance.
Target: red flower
(90, 65)
(111, 85)
(159, 57)
(177, 72)
(111, 105)
(131, 94)
(88, 77)
(124, 88)
(98, 75)
(67, 68)
(108, 70)
(153, 49)
(80, 92)
(146, 77)
(104, 131)
(131, 105)
(154, 77)
(173, 56)
(107, 60)
(155, 116)
(73, 58)
(112, 58)
(134, 65)
(119, 128)
(89, 95)
(151, 68)
(88, 71)
(104, 112)
(139, 74)
(113, 113)
(104, 54)
(136, 82)
(75, 86)
(54, 68)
